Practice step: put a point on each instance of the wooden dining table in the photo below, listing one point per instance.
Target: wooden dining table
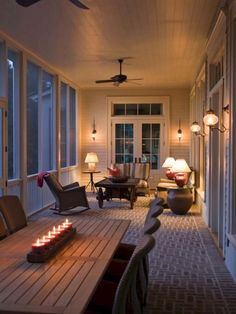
(66, 282)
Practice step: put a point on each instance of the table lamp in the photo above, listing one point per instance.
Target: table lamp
(168, 163)
(91, 159)
(181, 168)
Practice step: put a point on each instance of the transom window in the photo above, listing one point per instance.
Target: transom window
(137, 109)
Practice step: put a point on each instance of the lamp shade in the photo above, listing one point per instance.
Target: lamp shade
(180, 165)
(91, 157)
(168, 163)
(195, 127)
(210, 118)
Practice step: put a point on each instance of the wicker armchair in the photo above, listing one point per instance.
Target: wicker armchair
(68, 196)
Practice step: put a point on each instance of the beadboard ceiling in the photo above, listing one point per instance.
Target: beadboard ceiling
(162, 41)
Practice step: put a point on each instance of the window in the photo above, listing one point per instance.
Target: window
(137, 109)
(40, 120)
(68, 125)
(63, 125)
(2, 70)
(72, 128)
(13, 115)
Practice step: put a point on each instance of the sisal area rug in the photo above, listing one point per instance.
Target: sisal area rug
(187, 272)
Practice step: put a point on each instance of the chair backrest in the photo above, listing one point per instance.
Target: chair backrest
(13, 213)
(3, 230)
(53, 184)
(154, 210)
(140, 170)
(151, 225)
(126, 299)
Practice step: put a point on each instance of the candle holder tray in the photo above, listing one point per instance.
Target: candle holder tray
(33, 257)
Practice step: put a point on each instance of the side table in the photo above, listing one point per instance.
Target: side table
(91, 182)
(179, 200)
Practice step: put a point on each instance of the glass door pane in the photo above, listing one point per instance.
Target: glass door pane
(151, 144)
(124, 142)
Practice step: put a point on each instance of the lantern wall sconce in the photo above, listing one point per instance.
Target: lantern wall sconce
(210, 119)
(196, 129)
(179, 132)
(94, 131)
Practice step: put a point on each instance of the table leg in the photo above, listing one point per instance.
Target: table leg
(100, 197)
(132, 197)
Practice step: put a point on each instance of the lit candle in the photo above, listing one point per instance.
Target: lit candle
(61, 229)
(38, 247)
(46, 241)
(67, 224)
(55, 232)
(51, 237)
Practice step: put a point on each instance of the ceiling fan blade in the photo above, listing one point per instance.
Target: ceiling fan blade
(26, 3)
(136, 79)
(104, 81)
(79, 4)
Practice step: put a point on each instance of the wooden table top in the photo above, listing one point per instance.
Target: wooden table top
(106, 183)
(65, 283)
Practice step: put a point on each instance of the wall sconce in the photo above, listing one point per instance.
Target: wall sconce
(210, 119)
(179, 132)
(195, 128)
(94, 131)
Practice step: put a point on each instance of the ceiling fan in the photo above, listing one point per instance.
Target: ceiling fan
(27, 3)
(118, 78)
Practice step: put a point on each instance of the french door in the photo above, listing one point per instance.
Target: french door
(138, 141)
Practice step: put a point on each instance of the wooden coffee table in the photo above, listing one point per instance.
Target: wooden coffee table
(121, 190)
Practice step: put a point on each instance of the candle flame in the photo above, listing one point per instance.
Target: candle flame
(38, 241)
(44, 238)
(49, 233)
(54, 229)
(67, 221)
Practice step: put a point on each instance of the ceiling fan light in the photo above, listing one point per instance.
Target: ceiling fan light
(210, 118)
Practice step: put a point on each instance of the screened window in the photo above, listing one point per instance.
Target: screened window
(40, 120)
(63, 125)
(32, 118)
(72, 128)
(13, 115)
(68, 126)
(2, 70)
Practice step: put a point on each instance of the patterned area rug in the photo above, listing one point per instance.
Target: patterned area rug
(187, 273)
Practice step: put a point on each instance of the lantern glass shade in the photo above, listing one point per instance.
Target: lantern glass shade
(195, 127)
(91, 159)
(180, 166)
(168, 163)
(210, 118)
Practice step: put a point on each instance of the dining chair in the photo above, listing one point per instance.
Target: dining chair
(125, 250)
(13, 213)
(3, 230)
(122, 297)
(119, 263)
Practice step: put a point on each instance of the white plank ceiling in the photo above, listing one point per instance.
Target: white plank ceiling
(162, 41)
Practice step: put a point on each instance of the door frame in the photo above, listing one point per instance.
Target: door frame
(3, 179)
(163, 119)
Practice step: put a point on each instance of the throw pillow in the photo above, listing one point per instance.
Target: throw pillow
(114, 172)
